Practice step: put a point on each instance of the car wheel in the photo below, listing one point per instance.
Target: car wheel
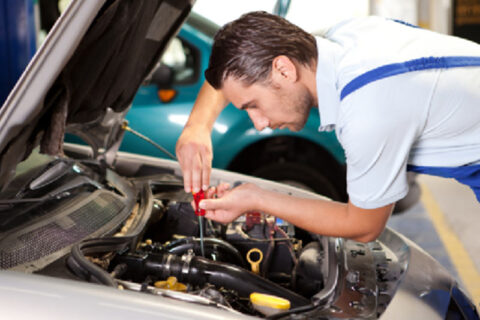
(302, 176)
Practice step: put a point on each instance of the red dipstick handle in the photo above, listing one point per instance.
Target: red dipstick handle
(197, 197)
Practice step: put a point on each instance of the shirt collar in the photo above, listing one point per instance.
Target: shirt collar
(327, 88)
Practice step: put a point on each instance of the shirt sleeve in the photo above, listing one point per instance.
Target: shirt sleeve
(377, 128)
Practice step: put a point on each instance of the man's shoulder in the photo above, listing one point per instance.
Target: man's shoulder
(357, 24)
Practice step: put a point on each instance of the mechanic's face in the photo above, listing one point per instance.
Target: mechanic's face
(273, 105)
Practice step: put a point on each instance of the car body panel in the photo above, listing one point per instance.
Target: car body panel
(55, 298)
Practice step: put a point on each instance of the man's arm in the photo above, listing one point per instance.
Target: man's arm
(323, 217)
(194, 146)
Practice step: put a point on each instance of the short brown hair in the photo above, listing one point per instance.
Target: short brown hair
(246, 47)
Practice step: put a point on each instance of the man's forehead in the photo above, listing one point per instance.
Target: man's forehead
(235, 90)
(235, 82)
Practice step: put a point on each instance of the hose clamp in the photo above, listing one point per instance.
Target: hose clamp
(186, 258)
(167, 269)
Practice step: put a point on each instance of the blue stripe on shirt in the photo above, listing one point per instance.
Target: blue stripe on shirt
(408, 66)
(405, 23)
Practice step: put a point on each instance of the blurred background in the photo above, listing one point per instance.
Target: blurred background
(315, 14)
(24, 23)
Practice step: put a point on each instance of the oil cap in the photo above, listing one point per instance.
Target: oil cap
(268, 304)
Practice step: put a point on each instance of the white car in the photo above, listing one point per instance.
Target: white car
(92, 233)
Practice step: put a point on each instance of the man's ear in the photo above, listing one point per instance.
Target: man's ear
(283, 69)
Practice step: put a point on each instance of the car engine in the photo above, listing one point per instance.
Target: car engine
(257, 253)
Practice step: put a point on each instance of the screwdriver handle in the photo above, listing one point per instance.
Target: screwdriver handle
(197, 197)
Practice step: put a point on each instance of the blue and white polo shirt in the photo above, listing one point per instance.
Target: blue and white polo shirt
(399, 98)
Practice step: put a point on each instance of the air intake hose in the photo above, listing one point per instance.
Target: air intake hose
(198, 271)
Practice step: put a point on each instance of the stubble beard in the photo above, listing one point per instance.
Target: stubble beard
(304, 102)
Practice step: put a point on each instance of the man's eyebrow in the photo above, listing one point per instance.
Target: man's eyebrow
(246, 105)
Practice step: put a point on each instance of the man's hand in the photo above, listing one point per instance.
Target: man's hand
(194, 147)
(230, 203)
(194, 153)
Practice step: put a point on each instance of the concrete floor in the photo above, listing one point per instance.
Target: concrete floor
(446, 224)
(461, 210)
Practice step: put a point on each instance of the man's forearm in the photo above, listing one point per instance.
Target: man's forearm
(207, 107)
(329, 218)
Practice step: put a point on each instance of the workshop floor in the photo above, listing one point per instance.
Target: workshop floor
(446, 224)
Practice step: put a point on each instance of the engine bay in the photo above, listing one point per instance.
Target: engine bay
(254, 254)
(135, 229)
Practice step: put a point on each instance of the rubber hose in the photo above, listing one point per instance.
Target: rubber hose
(86, 269)
(199, 271)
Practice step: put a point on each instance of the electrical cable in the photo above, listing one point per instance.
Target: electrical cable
(300, 309)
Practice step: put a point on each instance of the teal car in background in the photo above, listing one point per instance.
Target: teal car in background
(309, 158)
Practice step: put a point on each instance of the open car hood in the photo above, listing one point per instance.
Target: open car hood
(84, 77)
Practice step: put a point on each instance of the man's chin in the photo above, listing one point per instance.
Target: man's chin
(297, 126)
(294, 128)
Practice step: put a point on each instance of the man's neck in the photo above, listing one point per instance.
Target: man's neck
(309, 79)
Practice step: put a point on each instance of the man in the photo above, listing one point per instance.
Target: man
(398, 97)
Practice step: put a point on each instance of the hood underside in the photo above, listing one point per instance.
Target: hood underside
(96, 74)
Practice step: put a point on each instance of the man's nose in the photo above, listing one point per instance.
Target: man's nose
(259, 122)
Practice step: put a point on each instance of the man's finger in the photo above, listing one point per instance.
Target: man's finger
(222, 189)
(211, 193)
(206, 175)
(212, 204)
(187, 179)
(196, 173)
(216, 216)
(185, 159)
(206, 167)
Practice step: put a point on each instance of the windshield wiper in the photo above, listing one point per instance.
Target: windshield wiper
(52, 174)
(58, 193)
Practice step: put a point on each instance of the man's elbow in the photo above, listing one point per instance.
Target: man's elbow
(368, 237)
(369, 223)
